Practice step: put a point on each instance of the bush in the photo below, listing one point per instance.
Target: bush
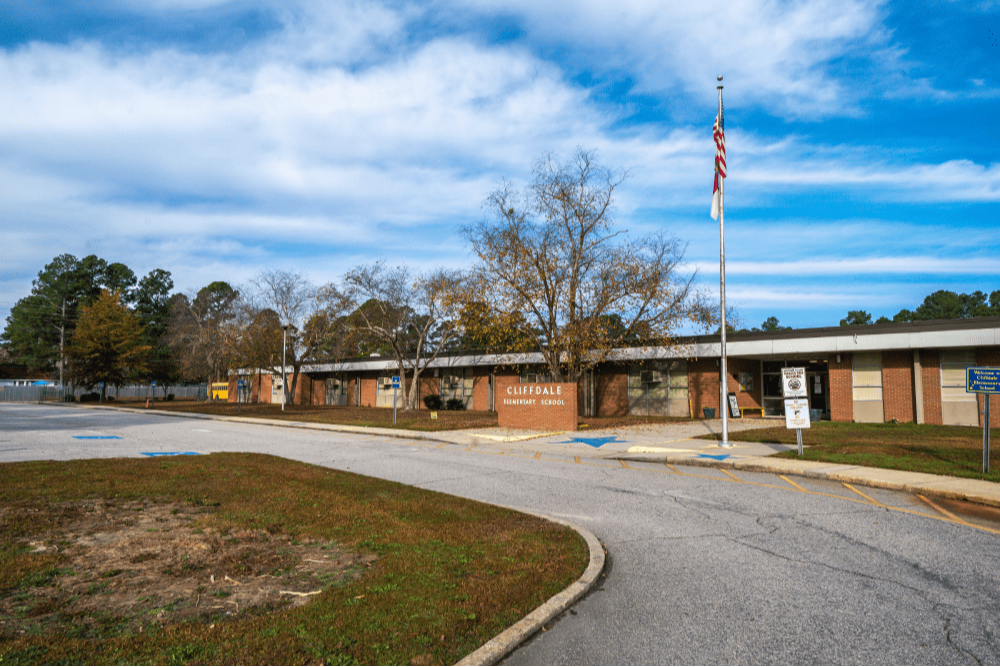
(90, 398)
(433, 402)
(109, 399)
(455, 404)
(170, 397)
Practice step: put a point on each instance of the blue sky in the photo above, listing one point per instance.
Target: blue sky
(213, 139)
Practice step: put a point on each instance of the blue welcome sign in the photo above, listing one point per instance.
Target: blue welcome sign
(982, 380)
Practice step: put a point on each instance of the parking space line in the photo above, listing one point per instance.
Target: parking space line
(863, 495)
(942, 510)
(675, 470)
(735, 478)
(576, 459)
(624, 465)
(538, 455)
(795, 484)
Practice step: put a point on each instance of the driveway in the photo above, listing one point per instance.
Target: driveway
(706, 565)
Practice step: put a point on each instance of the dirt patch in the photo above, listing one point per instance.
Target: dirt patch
(118, 568)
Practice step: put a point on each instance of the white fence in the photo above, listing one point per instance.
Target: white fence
(32, 394)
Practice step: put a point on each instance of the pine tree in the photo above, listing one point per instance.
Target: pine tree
(107, 344)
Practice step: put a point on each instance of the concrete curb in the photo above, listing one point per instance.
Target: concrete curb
(497, 648)
(956, 488)
(357, 430)
(504, 643)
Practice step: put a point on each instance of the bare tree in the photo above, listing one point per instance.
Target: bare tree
(197, 330)
(292, 298)
(416, 317)
(553, 267)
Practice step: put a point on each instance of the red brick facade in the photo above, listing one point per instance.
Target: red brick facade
(841, 388)
(549, 406)
(897, 385)
(611, 382)
(930, 369)
(611, 391)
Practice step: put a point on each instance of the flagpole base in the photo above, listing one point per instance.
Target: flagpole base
(726, 445)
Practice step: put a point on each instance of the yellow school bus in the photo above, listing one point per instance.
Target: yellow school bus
(219, 391)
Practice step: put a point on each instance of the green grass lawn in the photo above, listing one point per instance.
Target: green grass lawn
(939, 450)
(434, 576)
(414, 420)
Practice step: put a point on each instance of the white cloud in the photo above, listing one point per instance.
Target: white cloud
(775, 54)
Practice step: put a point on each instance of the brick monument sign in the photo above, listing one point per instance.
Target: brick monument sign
(549, 406)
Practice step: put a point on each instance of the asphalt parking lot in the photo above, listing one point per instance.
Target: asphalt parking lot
(705, 565)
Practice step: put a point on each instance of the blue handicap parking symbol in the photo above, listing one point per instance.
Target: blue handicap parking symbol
(170, 454)
(97, 437)
(594, 442)
(717, 457)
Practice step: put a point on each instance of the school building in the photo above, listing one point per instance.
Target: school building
(908, 372)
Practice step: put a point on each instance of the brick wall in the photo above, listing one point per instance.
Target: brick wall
(559, 415)
(368, 391)
(841, 388)
(897, 385)
(703, 384)
(611, 391)
(481, 391)
(429, 386)
(745, 399)
(930, 362)
(990, 356)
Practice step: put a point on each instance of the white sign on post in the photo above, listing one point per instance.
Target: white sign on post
(793, 382)
(796, 413)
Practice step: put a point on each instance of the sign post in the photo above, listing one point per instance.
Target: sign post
(793, 388)
(985, 381)
(239, 397)
(152, 386)
(395, 388)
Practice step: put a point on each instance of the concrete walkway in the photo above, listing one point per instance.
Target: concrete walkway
(676, 443)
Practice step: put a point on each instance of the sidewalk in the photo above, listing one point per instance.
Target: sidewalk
(661, 443)
(755, 457)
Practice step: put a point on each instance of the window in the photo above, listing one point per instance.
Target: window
(953, 365)
(867, 376)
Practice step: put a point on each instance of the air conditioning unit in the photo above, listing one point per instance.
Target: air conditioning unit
(651, 377)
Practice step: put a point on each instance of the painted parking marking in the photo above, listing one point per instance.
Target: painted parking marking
(97, 437)
(732, 475)
(170, 453)
(863, 495)
(593, 442)
(624, 465)
(941, 509)
(716, 457)
(795, 484)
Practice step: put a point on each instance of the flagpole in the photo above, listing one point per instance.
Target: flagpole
(724, 374)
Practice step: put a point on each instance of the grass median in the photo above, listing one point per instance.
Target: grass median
(254, 559)
(928, 448)
(412, 420)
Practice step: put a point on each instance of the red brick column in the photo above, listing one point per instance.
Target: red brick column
(480, 391)
(368, 392)
(841, 388)
(611, 391)
(930, 369)
(536, 406)
(897, 385)
(703, 386)
(990, 356)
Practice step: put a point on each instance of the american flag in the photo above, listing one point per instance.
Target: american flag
(719, 133)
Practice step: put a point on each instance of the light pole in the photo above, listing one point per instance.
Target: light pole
(284, 346)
